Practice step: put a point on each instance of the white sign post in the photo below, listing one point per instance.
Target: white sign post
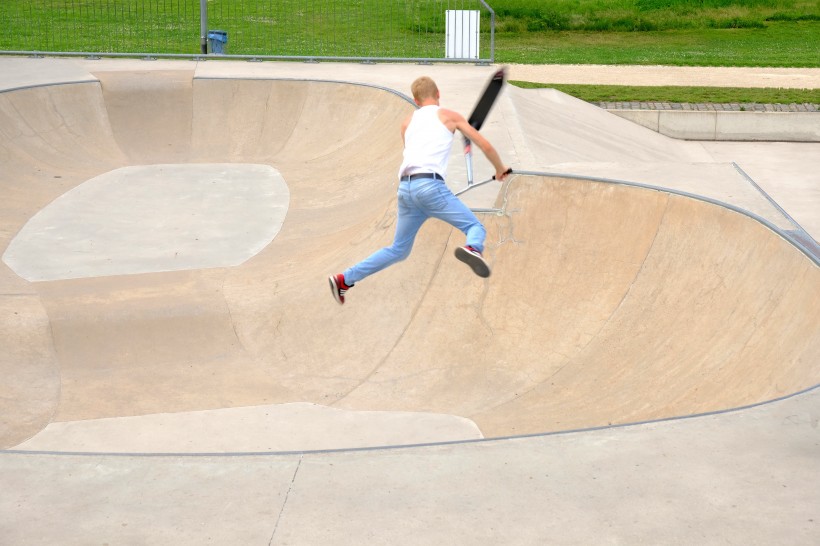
(462, 34)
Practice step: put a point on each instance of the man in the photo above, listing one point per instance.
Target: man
(428, 138)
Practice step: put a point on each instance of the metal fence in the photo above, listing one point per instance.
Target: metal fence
(415, 30)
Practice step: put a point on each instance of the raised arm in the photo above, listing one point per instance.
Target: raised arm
(453, 120)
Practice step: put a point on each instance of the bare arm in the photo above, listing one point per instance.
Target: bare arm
(404, 127)
(453, 120)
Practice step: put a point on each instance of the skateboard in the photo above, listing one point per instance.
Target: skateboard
(480, 112)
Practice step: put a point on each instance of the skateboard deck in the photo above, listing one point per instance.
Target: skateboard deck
(480, 112)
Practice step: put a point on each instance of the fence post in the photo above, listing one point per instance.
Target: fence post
(492, 30)
(203, 26)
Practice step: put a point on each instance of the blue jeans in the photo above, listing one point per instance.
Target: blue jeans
(419, 200)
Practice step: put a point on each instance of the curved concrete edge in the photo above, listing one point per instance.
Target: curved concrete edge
(798, 237)
(24, 73)
(411, 438)
(731, 126)
(227, 76)
(714, 480)
(274, 428)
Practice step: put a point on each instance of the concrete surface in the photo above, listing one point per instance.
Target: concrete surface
(748, 477)
(609, 304)
(208, 216)
(696, 121)
(705, 76)
(730, 126)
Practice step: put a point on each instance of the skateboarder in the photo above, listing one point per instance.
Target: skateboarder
(428, 137)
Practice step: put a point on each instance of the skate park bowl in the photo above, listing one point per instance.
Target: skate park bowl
(166, 241)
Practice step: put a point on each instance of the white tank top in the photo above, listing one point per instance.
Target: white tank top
(427, 143)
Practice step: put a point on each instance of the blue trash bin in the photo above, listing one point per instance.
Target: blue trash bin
(217, 42)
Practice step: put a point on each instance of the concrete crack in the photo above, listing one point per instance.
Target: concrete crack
(285, 503)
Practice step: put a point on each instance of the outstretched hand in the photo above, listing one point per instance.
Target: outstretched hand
(501, 175)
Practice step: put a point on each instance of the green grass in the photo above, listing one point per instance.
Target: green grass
(648, 15)
(776, 33)
(795, 44)
(692, 95)
(782, 33)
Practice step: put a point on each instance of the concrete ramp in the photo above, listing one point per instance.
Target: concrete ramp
(608, 303)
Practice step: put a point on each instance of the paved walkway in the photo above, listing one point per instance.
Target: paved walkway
(701, 76)
(749, 77)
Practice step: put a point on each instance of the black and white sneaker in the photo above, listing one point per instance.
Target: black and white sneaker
(474, 259)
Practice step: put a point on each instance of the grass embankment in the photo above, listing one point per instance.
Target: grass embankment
(781, 33)
(784, 33)
(774, 33)
(518, 16)
(691, 95)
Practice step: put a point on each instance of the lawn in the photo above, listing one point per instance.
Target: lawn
(682, 94)
(783, 44)
(776, 33)
(783, 33)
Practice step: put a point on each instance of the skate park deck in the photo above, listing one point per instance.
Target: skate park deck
(218, 392)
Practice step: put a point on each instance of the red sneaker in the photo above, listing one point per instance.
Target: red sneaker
(474, 259)
(338, 287)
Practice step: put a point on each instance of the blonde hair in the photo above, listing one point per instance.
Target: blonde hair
(424, 88)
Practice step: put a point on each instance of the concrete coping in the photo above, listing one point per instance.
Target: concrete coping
(734, 125)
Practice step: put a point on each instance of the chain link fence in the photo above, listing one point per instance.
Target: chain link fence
(418, 30)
